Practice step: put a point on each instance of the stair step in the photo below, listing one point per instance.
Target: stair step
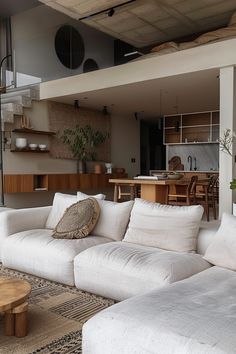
(32, 92)
(13, 107)
(7, 117)
(25, 101)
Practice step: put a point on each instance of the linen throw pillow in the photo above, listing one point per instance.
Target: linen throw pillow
(113, 220)
(222, 250)
(78, 220)
(168, 227)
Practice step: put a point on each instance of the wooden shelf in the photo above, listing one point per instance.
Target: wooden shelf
(37, 151)
(191, 128)
(32, 131)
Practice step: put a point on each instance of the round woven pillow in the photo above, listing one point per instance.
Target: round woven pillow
(78, 220)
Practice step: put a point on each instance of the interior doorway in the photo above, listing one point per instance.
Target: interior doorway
(152, 150)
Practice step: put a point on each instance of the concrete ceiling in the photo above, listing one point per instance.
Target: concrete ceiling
(146, 22)
(153, 98)
(11, 7)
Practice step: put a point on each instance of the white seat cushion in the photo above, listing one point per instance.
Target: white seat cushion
(196, 316)
(119, 270)
(37, 252)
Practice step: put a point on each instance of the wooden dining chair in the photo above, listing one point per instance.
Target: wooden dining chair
(184, 198)
(208, 197)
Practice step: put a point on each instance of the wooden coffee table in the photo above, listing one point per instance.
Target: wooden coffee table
(13, 296)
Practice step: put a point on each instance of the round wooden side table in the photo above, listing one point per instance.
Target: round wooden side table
(13, 296)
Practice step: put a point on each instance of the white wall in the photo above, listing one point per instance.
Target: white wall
(227, 121)
(33, 34)
(125, 143)
(17, 163)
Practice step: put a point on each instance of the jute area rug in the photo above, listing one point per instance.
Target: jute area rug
(56, 316)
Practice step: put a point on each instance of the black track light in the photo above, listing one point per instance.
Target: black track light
(105, 111)
(76, 105)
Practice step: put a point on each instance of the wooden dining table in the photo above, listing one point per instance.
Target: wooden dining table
(152, 189)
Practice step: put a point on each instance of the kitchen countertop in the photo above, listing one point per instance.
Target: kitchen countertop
(183, 171)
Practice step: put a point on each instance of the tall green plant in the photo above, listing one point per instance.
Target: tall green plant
(83, 141)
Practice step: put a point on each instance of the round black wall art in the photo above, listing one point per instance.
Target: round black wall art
(69, 47)
(90, 65)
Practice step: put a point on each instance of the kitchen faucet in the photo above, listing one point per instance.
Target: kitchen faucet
(195, 164)
(190, 160)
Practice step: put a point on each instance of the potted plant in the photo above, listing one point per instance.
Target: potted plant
(83, 142)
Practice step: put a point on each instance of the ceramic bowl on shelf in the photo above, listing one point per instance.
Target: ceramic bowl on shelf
(21, 143)
(33, 146)
(42, 146)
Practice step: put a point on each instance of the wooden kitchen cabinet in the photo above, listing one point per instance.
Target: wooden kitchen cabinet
(18, 183)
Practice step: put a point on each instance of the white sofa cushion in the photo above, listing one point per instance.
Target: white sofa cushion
(196, 316)
(113, 219)
(207, 232)
(119, 270)
(37, 252)
(61, 202)
(168, 227)
(222, 249)
(82, 196)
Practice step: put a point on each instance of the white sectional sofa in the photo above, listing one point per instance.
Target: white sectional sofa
(150, 256)
(193, 316)
(27, 245)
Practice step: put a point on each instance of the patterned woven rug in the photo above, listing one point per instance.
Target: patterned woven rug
(56, 316)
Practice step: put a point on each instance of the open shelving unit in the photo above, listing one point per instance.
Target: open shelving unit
(191, 128)
(31, 132)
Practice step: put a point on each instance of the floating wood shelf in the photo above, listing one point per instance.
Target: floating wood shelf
(30, 150)
(32, 131)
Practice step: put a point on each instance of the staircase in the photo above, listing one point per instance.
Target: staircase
(14, 101)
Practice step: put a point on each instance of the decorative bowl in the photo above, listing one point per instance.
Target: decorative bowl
(42, 146)
(33, 146)
(174, 176)
(21, 143)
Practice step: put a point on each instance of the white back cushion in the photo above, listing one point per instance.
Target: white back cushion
(82, 196)
(222, 249)
(207, 232)
(168, 227)
(60, 203)
(113, 219)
